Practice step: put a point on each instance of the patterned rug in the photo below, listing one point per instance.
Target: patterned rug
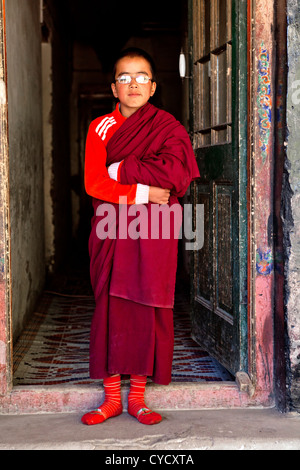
(54, 348)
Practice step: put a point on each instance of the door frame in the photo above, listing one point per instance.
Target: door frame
(261, 158)
(5, 274)
(256, 388)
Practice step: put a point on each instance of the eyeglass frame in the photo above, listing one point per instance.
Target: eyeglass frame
(132, 76)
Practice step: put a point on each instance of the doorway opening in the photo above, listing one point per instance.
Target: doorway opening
(52, 347)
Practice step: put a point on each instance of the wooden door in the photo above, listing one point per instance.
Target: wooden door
(219, 127)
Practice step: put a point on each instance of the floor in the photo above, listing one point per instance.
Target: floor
(179, 432)
(54, 347)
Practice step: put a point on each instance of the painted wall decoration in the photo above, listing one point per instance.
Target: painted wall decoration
(264, 261)
(264, 100)
(2, 260)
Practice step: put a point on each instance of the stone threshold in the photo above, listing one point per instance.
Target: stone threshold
(68, 398)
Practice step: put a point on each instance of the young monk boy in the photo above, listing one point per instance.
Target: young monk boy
(144, 156)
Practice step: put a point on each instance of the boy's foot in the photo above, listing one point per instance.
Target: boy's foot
(136, 403)
(146, 416)
(112, 405)
(98, 416)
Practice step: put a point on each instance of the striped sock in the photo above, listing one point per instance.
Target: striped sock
(112, 405)
(136, 403)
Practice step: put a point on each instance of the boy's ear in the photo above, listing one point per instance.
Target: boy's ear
(153, 88)
(114, 90)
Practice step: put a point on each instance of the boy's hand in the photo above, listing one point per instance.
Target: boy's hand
(159, 195)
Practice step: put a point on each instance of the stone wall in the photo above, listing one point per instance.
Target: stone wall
(291, 204)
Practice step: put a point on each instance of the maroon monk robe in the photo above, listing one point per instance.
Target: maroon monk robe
(155, 150)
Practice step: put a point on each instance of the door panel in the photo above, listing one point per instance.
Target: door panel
(218, 288)
(224, 304)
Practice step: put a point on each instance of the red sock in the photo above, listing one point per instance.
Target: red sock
(112, 405)
(136, 403)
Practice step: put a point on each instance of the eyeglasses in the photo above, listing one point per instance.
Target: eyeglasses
(125, 79)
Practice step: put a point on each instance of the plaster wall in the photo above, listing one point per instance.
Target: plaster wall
(291, 203)
(26, 156)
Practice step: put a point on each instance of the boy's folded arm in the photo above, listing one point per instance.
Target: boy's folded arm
(164, 170)
(98, 182)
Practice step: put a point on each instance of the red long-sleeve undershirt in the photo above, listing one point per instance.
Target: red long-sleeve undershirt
(98, 182)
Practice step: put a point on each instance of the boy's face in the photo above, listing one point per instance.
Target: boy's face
(134, 95)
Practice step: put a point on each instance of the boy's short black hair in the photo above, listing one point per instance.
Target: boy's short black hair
(135, 52)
